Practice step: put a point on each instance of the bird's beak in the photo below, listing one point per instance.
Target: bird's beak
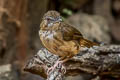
(60, 20)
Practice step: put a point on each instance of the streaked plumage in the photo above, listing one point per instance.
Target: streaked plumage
(61, 38)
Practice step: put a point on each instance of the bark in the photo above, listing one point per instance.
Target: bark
(98, 61)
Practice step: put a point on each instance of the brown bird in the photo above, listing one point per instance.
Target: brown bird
(61, 38)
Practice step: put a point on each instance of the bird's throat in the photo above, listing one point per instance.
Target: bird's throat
(50, 24)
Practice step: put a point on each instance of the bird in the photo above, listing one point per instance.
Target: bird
(61, 38)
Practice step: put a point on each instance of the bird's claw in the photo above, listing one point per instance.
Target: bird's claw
(49, 70)
(63, 69)
(57, 65)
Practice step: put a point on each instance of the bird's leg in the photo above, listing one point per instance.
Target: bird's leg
(63, 69)
(49, 70)
(60, 61)
(58, 64)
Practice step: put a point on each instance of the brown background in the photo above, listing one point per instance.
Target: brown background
(20, 19)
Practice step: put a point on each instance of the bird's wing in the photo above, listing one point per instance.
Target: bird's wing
(70, 33)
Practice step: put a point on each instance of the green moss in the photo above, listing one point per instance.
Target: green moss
(67, 11)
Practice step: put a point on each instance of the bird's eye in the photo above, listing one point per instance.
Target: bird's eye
(48, 19)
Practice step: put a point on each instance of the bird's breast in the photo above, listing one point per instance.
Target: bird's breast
(48, 40)
(47, 34)
(54, 42)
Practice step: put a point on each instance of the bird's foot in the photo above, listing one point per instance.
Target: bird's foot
(50, 70)
(61, 68)
(57, 65)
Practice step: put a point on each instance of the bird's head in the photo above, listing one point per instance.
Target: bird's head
(52, 17)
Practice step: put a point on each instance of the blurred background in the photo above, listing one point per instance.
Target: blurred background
(98, 20)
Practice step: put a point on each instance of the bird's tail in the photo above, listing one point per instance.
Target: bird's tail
(87, 43)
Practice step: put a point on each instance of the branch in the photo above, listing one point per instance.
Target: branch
(102, 60)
